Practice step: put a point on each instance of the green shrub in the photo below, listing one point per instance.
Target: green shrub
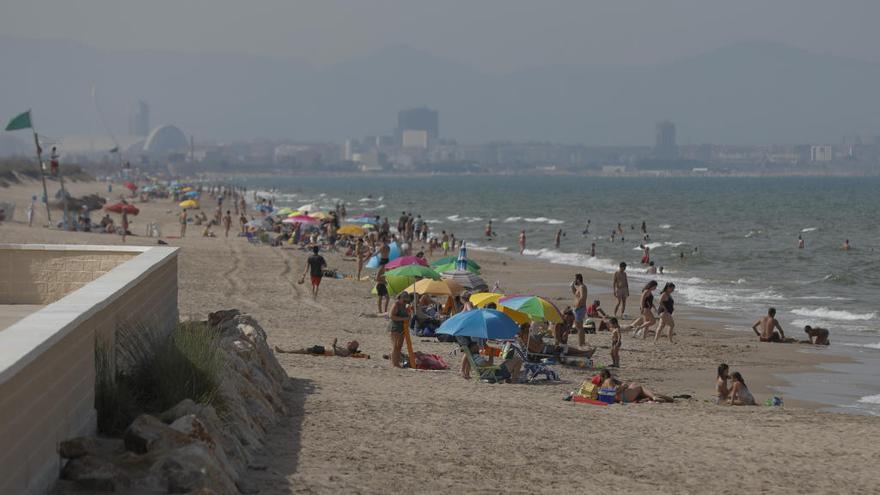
(149, 372)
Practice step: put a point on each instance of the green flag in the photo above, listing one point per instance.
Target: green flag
(20, 121)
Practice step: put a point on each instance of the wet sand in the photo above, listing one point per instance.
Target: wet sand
(361, 426)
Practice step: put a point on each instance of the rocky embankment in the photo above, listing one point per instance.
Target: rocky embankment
(190, 447)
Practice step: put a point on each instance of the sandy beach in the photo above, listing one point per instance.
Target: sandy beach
(360, 426)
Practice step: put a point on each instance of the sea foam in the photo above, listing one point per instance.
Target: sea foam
(833, 314)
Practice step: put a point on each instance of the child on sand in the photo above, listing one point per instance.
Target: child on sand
(722, 389)
(739, 393)
(616, 341)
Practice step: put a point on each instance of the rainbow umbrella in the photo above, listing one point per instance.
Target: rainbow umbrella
(405, 260)
(536, 307)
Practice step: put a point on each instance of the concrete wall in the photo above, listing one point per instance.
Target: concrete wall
(47, 363)
(29, 276)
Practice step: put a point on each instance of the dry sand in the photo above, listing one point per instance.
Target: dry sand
(360, 426)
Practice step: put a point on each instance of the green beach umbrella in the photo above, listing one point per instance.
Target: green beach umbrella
(414, 271)
(452, 259)
(452, 266)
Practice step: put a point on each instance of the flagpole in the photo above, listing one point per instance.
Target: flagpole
(40, 164)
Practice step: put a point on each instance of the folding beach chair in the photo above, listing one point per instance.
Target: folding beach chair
(486, 372)
(532, 369)
(252, 239)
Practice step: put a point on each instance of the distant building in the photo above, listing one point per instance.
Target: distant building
(414, 139)
(665, 147)
(419, 119)
(166, 140)
(821, 153)
(139, 119)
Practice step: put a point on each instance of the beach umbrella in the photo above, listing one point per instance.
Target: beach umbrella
(452, 259)
(483, 298)
(299, 219)
(320, 215)
(349, 229)
(481, 324)
(461, 262)
(414, 271)
(122, 208)
(191, 195)
(447, 288)
(309, 207)
(369, 220)
(453, 266)
(393, 254)
(536, 307)
(131, 186)
(189, 203)
(186, 189)
(285, 212)
(466, 279)
(406, 260)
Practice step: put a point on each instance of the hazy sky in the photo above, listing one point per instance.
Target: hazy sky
(496, 35)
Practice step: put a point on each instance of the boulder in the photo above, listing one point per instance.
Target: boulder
(196, 431)
(193, 467)
(82, 446)
(94, 473)
(147, 434)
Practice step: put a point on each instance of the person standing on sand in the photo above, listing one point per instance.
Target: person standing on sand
(315, 266)
(227, 222)
(124, 224)
(620, 287)
(579, 290)
(769, 325)
(444, 242)
(381, 289)
(361, 251)
(616, 341)
(30, 211)
(558, 237)
(243, 221)
(183, 223)
(522, 242)
(666, 306)
(399, 315)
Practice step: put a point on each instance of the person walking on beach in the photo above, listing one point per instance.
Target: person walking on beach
(620, 287)
(398, 315)
(558, 237)
(522, 242)
(666, 307)
(444, 242)
(183, 223)
(227, 222)
(646, 318)
(579, 290)
(315, 266)
(489, 232)
(769, 326)
(30, 211)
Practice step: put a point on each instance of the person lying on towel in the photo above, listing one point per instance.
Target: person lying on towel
(350, 350)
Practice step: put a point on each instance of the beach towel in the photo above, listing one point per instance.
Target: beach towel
(426, 361)
(585, 400)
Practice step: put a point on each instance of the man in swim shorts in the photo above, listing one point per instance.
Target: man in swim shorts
(817, 336)
(580, 306)
(315, 266)
(769, 326)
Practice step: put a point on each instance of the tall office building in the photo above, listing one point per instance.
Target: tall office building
(419, 119)
(139, 119)
(665, 146)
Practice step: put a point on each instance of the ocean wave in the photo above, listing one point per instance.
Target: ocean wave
(664, 226)
(551, 221)
(574, 259)
(753, 233)
(373, 208)
(655, 245)
(870, 399)
(809, 229)
(866, 346)
(826, 313)
(512, 219)
(465, 219)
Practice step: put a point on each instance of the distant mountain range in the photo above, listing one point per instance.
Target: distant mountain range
(748, 93)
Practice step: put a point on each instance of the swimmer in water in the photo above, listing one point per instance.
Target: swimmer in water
(558, 237)
(593, 250)
(846, 246)
(800, 241)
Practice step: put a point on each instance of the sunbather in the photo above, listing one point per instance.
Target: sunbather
(350, 350)
(629, 391)
(536, 345)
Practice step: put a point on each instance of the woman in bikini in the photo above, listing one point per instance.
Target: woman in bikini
(646, 318)
(665, 307)
(398, 314)
(626, 392)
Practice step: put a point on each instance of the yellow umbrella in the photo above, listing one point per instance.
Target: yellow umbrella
(351, 229)
(190, 203)
(435, 287)
(320, 215)
(186, 189)
(483, 298)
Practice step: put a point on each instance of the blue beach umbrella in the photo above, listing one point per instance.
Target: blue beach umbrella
(481, 324)
(393, 254)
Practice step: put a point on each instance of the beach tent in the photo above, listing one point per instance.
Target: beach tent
(393, 254)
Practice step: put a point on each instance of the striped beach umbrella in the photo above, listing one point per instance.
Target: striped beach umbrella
(466, 279)
(461, 263)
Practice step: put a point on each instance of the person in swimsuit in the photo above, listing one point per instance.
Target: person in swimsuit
(579, 290)
(597, 313)
(817, 336)
(739, 393)
(522, 242)
(646, 317)
(722, 389)
(382, 290)
(620, 286)
(349, 350)
(616, 341)
(666, 307)
(769, 326)
(627, 392)
(399, 315)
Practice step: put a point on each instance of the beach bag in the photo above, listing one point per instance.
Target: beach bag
(430, 362)
(588, 390)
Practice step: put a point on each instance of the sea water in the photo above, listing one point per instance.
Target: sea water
(729, 244)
